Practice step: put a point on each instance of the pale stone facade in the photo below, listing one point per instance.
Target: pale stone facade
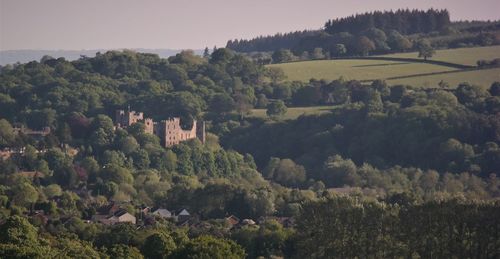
(169, 131)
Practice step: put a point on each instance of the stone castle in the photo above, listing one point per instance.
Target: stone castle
(169, 131)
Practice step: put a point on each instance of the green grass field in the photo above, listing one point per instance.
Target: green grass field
(464, 56)
(482, 78)
(361, 69)
(354, 69)
(294, 113)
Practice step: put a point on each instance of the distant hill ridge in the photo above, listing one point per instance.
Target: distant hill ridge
(403, 21)
(23, 56)
(387, 31)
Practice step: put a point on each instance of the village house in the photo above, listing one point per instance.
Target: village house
(182, 216)
(145, 210)
(233, 220)
(248, 222)
(121, 216)
(169, 131)
(36, 134)
(112, 214)
(162, 213)
(5, 154)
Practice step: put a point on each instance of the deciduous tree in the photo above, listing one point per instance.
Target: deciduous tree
(276, 109)
(425, 49)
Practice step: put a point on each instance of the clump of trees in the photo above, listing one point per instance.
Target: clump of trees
(21, 239)
(425, 49)
(378, 142)
(391, 137)
(184, 85)
(404, 21)
(489, 63)
(343, 227)
(326, 46)
(276, 109)
(370, 33)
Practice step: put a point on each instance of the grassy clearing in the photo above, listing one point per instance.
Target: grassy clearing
(464, 56)
(355, 69)
(360, 69)
(294, 113)
(482, 78)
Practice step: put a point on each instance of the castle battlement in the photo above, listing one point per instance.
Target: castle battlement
(169, 130)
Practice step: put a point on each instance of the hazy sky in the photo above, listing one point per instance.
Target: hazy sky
(181, 24)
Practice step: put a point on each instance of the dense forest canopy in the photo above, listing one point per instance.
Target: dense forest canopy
(404, 21)
(382, 128)
(385, 171)
(373, 33)
(447, 130)
(37, 93)
(270, 43)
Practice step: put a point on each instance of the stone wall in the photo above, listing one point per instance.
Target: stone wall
(169, 131)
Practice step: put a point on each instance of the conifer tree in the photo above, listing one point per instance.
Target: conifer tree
(206, 53)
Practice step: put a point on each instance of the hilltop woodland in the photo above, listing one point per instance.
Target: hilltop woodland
(418, 167)
(368, 34)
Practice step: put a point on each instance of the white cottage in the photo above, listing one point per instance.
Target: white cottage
(162, 213)
(121, 216)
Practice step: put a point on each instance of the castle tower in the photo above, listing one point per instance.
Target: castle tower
(127, 118)
(149, 126)
(120, 119)
(134, 117)
(169, 131)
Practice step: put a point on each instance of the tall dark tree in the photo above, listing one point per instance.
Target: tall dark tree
(206, 53)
